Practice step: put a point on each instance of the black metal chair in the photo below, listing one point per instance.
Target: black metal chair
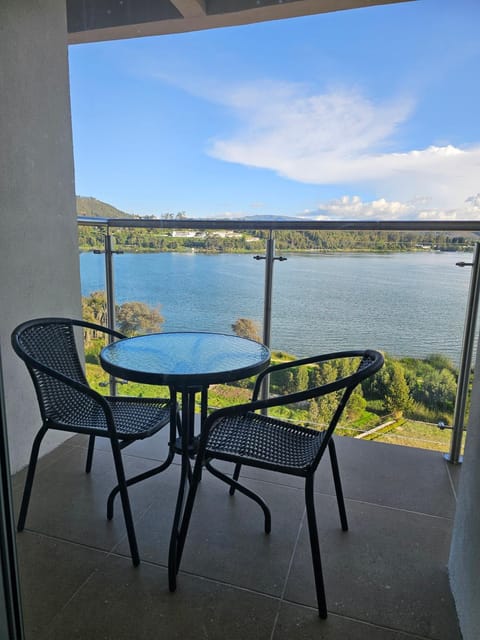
(239, 435)
(67, 403)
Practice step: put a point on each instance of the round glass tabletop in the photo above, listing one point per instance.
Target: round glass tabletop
(187, 358)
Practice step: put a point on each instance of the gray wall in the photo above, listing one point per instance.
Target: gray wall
(39, 263)
(464, 564)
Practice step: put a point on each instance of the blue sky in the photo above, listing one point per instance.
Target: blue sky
(364, 114)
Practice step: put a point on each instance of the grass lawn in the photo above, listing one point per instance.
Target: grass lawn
(423, 435)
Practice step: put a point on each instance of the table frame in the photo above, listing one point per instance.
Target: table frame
(188, 386)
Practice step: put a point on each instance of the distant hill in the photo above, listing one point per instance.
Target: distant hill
(268, 218)
(97, 209)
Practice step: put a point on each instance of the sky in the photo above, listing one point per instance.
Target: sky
(368, 114)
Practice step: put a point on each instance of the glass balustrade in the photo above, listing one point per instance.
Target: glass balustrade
(302, 291)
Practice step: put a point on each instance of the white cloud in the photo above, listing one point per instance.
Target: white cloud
(354, 208)
(341, 137)
(304, 137)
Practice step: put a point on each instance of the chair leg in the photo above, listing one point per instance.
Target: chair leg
(246, 492)
(338, 485)
(30, 475)
(236, 475)
(127, 511)
(138, 478)
(315, 547)
(91, 446)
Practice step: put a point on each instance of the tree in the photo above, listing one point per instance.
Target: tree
(375, 387)
(137, 318)
(355, 406)
(439, 361)
(132, 317)
(246, 328)
(437, 390)
(397, 394)
(94, 307)
(325, 405)
(290, 380)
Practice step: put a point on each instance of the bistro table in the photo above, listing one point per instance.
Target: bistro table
(188, 362)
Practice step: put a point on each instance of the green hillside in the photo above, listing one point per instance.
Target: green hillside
(97, 209)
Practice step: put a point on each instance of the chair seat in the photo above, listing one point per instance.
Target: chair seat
(137, 419)
(265, 441)
(134, 419)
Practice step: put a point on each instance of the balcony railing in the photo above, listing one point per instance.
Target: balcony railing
(269, 256)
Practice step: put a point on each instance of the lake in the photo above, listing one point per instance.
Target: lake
(404, 303)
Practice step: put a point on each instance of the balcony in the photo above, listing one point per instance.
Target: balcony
(40, 264)
(386, 578)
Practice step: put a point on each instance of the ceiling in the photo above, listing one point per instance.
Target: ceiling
(95, 20)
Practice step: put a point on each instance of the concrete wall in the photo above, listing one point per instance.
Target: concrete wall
(39, 263)
(464, 564)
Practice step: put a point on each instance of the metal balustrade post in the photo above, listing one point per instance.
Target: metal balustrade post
(454, 456)
(267, 300)
(110, 291)
(269, 258)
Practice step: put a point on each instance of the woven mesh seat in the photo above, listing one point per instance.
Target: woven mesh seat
(67, 403)
(134, 419)
(264, 441)
(139, 419)
(240, 435)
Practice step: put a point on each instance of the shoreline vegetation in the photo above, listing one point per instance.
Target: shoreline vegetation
(138, 240)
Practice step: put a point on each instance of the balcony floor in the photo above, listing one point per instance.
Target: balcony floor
(386, 578)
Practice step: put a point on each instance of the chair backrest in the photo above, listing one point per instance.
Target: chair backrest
(369, 362)
(48, 348)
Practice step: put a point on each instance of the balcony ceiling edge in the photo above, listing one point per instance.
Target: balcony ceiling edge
(193, 15)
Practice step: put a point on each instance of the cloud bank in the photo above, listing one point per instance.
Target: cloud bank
(342, 138)
(354, 208)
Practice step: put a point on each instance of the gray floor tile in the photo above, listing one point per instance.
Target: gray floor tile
(301, 623)
(389, 569)
(122, 603)
(51, 572)
(154, 526)
(70, 504)
(18, 479)
(226, 539)
(400, 477)
(454, 472)
(385, 578)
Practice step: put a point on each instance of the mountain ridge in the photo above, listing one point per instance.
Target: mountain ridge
(93, 208)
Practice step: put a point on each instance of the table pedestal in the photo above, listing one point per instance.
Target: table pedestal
(187, 449)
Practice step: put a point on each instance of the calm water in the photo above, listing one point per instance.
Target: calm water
(404, 304)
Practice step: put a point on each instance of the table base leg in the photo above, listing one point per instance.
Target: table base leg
(174, 536)
(188, 422)
(141, 476)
